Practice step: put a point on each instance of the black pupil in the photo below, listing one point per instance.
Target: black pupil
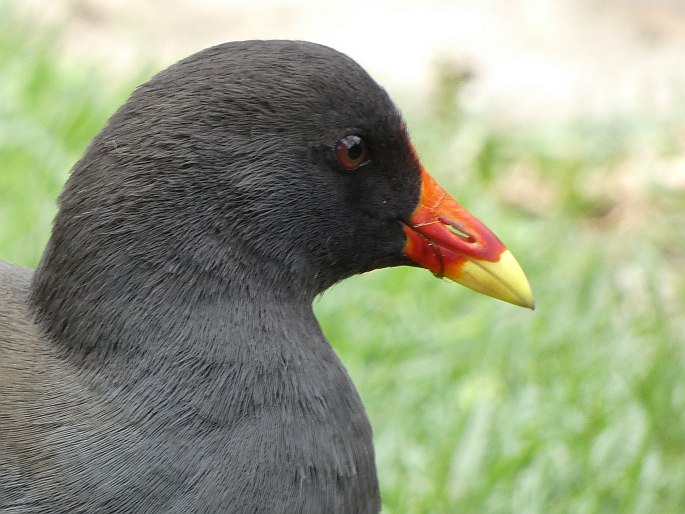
(354, 151)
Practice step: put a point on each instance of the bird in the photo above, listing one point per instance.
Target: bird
(164, 355)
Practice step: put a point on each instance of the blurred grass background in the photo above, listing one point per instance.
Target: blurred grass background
(477, 406)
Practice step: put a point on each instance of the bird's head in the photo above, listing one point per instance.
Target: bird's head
(282, 161)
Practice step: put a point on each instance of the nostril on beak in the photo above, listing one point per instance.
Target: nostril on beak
(457, 230)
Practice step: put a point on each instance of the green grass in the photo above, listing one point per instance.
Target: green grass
(477, 406)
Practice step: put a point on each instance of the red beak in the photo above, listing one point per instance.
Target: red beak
(448, 240)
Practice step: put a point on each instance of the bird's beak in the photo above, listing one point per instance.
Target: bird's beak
(448, 240)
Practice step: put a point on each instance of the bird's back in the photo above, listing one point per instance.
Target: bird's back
(45, 411)
(17, 333)
(14, 316)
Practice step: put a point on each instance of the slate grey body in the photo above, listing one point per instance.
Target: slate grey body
(164, 356)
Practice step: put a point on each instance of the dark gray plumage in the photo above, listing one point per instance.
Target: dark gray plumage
(164, 356)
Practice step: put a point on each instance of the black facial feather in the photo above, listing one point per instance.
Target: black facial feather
(226, 157)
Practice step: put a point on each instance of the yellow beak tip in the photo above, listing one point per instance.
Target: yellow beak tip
(504, 280)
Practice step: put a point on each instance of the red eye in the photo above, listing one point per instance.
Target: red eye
(351, 152)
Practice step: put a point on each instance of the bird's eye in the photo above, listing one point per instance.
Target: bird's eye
(352, 152)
